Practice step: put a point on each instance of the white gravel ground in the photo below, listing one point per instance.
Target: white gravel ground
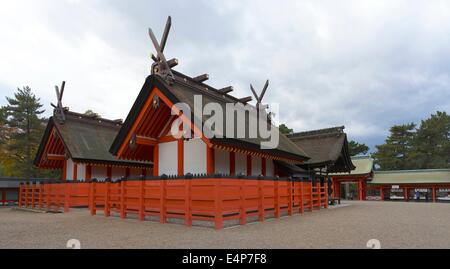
(394, 224)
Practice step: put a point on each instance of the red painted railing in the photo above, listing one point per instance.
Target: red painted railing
(208, 199)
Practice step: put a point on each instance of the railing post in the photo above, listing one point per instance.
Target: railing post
(319, 194)
(277, 198)
(26, 193)
(47, 197)
(188, 202)
(162, 201)
(33, 189)
(243, 210)
(218, 214)
(290, 196)
(41, 193)
(302, 202)
(141, 199)
(106, 209)
(311, 202)
(122, 200)
(92, 198)
(261, 207)
(66, 197)
(20, 194)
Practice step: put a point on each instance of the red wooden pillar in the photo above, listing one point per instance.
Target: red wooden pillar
(107, 209)
(141, 200)
(405, 193)
(261, 206)
(123, 213)
(33, 188)
(210, 160)
(263, 166)
(360, 191)
(302, 203)
(180, 154)
(326, 194)
(162, 201)
(108, 171)
(249, 165)
(64, 172)
(243, 210)
(381, 193)
(188, 203)
(156, 160)
(20, 194)
(277, 198)
(232, 163)
(218, 215)
(88, 173)
(433, 195)
(290, 197)
(75, 172)
(66, 197)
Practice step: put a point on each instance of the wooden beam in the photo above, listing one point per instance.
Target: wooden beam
(246, 99)
(210, 162)
(56, 157)
(155, 160)
(180, 157)
(201, 78)
(227, 89)
(75, 171)
(147, 141)
(249, 165)
(232, 163)
(165, 139)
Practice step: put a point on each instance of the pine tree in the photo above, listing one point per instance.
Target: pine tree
(284, 129)
(432, 142)
(397, 151)
(356, 148)
(26, 128)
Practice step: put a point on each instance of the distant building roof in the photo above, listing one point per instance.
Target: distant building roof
(85, 139)
(326, 148)
(363, 166)
(411, 176)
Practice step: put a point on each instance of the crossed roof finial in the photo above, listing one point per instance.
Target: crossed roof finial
(161, 66)
(58, 112)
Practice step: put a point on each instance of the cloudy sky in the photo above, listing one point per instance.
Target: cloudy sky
(363, 64)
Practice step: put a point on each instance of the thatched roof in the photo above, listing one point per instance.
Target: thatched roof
(327, 148)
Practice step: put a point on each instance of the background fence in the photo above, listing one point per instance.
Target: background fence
(206, 199)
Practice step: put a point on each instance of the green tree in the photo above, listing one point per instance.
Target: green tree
(356, 148)
(26, 128)
(432, 142)
(396, 152)
(284, 129)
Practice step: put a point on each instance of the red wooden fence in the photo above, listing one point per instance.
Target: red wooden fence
(210, 199)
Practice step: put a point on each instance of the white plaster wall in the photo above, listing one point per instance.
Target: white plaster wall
(117, 172)
(69, 169)
(168, 163)
(135, 172)
(99, 172)
(241, 163)
(222, 161)
(269, 168)
(256, 166)
(81, 171)
(194, 156)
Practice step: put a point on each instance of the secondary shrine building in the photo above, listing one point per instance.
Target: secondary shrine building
(78, 145)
